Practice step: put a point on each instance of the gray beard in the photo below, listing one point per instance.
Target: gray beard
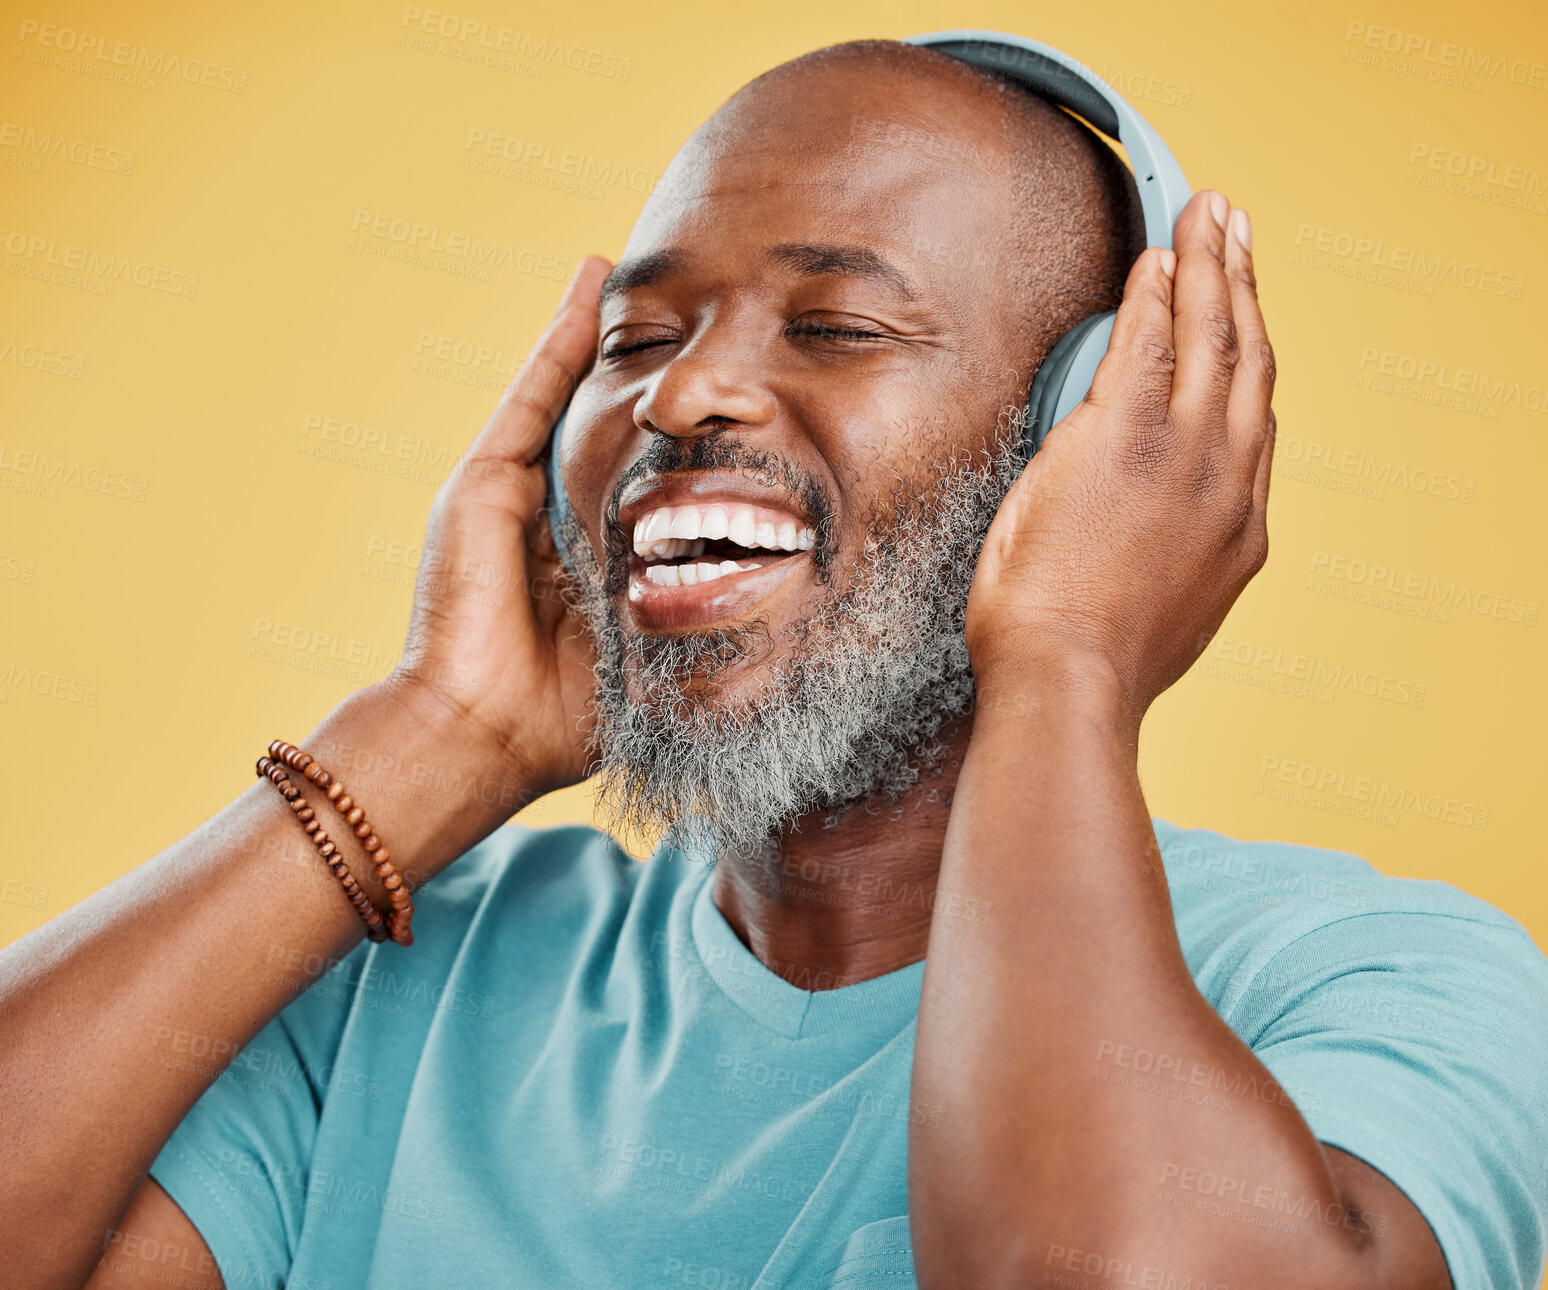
(855, 712)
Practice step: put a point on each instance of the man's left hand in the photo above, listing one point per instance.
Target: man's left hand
(1134, 529)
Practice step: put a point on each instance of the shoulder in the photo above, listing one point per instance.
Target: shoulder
(1241, 906)
(1405, 1019)
(543, 876)
(535, 861)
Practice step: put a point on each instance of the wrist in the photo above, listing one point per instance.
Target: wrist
(1024, 677)
(449, 727)
(432, 783)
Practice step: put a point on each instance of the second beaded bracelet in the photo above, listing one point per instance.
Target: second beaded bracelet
(284, 755)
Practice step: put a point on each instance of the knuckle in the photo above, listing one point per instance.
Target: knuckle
(522, 397)
(1159, 352)
(494, 469)
(1257, 549)
(1217, 329)
(1237, 519)
(548, 378)
(1242, 275)
(1260, 358)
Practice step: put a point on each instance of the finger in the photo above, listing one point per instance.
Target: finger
(1203, 321)
(1252, 384)
(520, 425)
(1136, 371)
(1260, 482)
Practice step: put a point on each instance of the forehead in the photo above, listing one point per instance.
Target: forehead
(913, 171)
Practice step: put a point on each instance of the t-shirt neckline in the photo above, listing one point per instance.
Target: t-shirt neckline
(887, 1001)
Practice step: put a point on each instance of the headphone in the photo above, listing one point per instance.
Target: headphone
(1065, 374)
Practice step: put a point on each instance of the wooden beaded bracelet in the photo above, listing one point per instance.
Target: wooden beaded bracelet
(283, 755)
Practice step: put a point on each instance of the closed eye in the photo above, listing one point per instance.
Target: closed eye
(824, 332)
(623, 351)
(817, 330)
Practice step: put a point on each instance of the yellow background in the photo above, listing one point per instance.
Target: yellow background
(133, 628)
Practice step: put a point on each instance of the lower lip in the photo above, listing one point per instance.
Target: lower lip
(705, 604)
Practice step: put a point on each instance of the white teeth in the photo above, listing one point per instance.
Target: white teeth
(656, 525)
(685, 522)
(691, 575)
(670, 533)
(669, 548)
(743, 527)
(673, 548)
(715, 523)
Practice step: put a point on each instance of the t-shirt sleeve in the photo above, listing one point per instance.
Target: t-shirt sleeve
(238, 1163)
(1419, 1043)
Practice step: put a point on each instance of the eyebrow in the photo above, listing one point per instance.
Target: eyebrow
(640, 272)
(805, 258)
(814, 260)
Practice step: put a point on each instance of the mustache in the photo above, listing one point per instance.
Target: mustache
(717, 450)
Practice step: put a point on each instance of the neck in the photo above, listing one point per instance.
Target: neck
(826, 905)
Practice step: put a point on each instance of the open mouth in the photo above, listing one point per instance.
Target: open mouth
(686, 546)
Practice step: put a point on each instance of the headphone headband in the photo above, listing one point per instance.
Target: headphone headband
(1057, 77)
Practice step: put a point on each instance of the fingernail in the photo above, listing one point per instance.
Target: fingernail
(1241, 228)
(1219, 207)
(1169, 262)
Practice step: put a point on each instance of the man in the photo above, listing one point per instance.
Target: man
(885, 689)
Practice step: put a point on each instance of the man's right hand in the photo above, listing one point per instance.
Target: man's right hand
(490, 635)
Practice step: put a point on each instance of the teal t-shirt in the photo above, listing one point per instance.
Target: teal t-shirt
(579, 1077)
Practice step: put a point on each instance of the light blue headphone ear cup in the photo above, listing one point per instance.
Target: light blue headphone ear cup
(1065, 375)
(558, 503)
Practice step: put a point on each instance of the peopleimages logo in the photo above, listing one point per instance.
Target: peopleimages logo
(1463, 384)
(1317, 673)
(1362, 796)
(1378, 260)
(1445, 59)
(109, 54)
(434, 247)
(539, 155)
(1422, 589)
(480, 37)
(39, 256)
(1365, 468)
(63, 147)
(1482, 170)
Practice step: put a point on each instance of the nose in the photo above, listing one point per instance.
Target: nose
(713, 384)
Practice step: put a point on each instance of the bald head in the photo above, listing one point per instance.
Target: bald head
(1075, 223)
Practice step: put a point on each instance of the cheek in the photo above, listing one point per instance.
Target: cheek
(589, 461)
(895, 446)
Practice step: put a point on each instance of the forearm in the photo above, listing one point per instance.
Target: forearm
(116, 1015)
(1042, 1147)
